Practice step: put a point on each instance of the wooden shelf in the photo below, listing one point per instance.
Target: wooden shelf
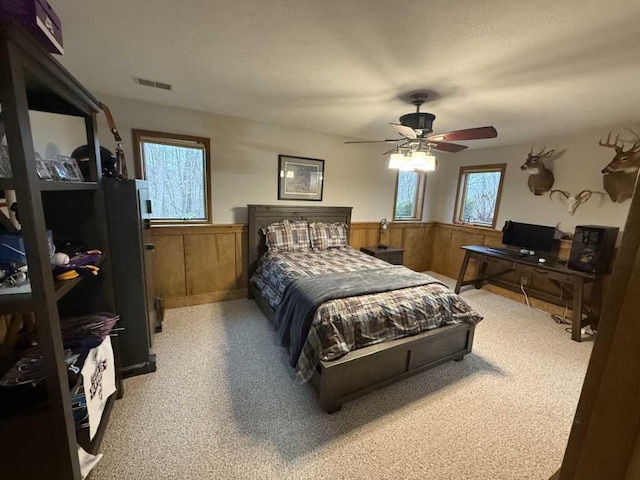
(67, 186)
(23, 302)
(47, 186)
(6, 184)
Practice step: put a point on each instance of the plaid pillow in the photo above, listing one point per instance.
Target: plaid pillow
(328, 235)
(288, 235)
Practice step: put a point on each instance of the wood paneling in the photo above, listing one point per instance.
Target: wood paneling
(364, 234)
(200, 264)
(415, 237)
(210, 262)
(169, 272)
(440, 249)
(416, 248)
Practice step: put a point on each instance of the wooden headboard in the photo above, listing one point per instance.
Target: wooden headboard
(262, 215)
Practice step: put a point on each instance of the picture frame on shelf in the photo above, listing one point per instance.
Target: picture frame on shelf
(42, 169)
(300, 178)
(71, 168)
(57, 170)
(5, 162)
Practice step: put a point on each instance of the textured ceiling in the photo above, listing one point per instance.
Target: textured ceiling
(530, 68)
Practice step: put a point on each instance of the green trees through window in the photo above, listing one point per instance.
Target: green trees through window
(177, 170)
(479, 189)
(176, 176)
(409, 195)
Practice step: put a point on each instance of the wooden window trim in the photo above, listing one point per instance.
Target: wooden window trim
(138, 135)
(464, 170)
(419, 199)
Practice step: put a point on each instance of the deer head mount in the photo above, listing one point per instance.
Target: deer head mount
(574, 201)
(619, 176)
(540, 178)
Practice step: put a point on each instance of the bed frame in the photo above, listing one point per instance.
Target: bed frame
(366, 369)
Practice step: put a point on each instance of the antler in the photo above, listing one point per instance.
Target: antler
(587, 195)
(636, 145)
(608, 142)
(563, 192)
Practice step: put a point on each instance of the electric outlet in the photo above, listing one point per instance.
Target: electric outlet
(525, 280)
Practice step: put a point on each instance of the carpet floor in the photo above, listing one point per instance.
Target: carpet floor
(224, 404)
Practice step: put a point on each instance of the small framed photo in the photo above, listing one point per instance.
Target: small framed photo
(300, 178)
(5, 162)
(42, 169)
(56, 169)
(72, 171)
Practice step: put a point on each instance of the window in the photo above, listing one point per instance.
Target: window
(409, 196)
(176, 168)
(478, 197)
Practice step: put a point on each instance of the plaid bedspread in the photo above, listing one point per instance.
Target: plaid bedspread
(342, 325)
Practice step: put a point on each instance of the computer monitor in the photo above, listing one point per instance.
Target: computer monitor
(532, 237)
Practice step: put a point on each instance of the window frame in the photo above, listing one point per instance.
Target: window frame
(139, 136)
(461, 192)
(420, 195)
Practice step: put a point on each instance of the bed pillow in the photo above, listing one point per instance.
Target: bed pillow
(328, 235)
(288, 235)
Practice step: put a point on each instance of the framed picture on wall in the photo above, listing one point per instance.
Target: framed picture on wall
(300, 178)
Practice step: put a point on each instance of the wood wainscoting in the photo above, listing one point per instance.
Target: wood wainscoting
(415, 237)
(208, 263)
(200, 263)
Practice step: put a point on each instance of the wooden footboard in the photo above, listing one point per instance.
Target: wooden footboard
(371, 368)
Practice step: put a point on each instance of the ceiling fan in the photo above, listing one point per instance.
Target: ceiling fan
(417, 139)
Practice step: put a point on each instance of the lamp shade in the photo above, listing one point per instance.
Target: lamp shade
(422, 161)
(396, 160)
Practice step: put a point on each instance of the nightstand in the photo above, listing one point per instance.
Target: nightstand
(393, 255)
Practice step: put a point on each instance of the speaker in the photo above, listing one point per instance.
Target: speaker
(592, 248)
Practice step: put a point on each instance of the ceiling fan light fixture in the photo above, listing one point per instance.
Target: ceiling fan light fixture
(406, 165)
(396, 160)
(423, 161)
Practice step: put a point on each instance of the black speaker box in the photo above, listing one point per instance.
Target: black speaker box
(592, 248)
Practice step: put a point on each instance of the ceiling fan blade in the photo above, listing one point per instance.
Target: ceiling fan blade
(405, 131)
(468, 134)
(448, 147)
(377, 141)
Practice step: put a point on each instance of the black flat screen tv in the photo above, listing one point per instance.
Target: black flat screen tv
(531, 237)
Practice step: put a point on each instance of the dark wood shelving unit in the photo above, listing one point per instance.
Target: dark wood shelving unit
(44, 185)
(23, 302)
(41, 441)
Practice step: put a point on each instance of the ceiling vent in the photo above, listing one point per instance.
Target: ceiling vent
(152, 83)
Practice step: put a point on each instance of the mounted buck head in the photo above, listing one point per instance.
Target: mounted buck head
(624, 160)
(540, 178)
(620, 174)
(574, 201)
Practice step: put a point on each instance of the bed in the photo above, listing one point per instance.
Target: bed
(359, 363)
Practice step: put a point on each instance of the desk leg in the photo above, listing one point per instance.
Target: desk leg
(463, 270)
(596, 302)
(576, 325)
(481, 272)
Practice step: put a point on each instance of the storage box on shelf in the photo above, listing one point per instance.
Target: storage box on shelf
(31, 79)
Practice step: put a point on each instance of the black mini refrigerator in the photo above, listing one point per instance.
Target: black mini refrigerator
(129, 218)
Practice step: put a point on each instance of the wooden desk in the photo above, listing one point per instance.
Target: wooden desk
(557, 273)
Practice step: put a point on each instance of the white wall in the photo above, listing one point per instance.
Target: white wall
(576, 166)
(244, 159)
(55, 135)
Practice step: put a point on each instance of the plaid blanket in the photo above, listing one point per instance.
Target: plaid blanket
(342, 325)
